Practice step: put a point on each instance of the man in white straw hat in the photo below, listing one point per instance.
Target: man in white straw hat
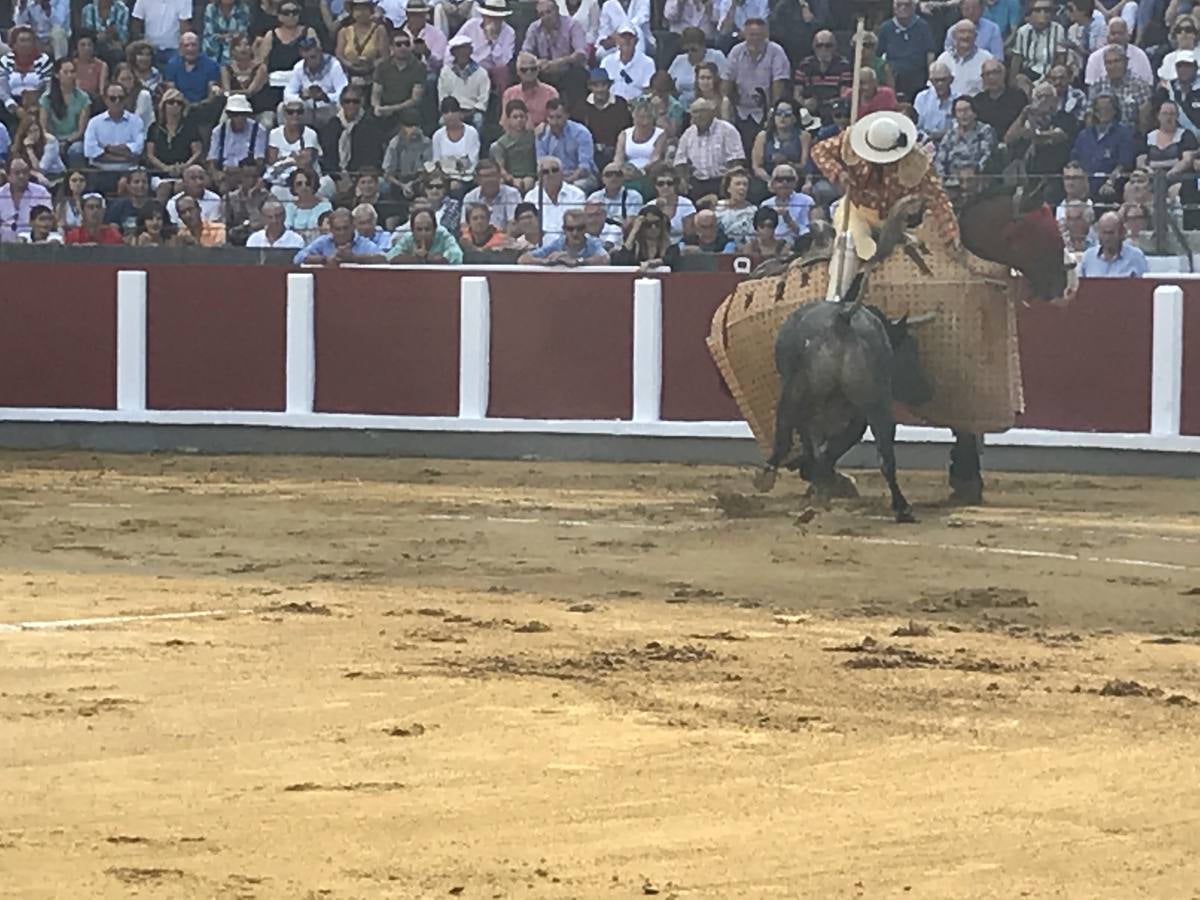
(493, 41)
(878, 163)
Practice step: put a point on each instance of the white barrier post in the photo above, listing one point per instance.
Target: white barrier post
(474, 347)
(647, 350)
(301, 343)
(131, 341)
(1166, 364)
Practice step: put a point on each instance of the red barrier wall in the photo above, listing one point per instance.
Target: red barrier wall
(58, 335)
(562, 345)
(1087, 367)
(387, 342)
(1190, 413)
(693, 389)
(215, 337)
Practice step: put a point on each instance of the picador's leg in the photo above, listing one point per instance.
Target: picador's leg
(966, 479)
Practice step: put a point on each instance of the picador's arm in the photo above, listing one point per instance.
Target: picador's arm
(937, 206)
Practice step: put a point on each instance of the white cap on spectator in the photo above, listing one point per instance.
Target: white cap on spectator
(1185, 56)
(459, 40)
(626, 27)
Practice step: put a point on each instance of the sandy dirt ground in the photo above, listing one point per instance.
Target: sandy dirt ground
(420, 679)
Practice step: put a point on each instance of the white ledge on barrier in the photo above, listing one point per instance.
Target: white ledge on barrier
(131, 341)
(647, 350)
(301, 343)
(474, 347)
(1166, 380)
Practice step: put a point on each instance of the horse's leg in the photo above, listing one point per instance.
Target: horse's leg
(883, 426)
(786, 423)
(966, 480)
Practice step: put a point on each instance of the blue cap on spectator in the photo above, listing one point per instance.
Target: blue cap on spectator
(599, 75)
(307, 43)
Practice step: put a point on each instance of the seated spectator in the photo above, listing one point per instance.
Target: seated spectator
(607, 231)
(123, 211)
(173, 143)
(109, 21)
(515, 151)
(678, 209)
(1071, 99)
(368, 192)
(987, 33)
(604, 116)
(615, 14)
(629, 69)
(708, 147)
(1132, 93)
(765, 244)
(246, 76)
(366, 224)
(436, 192)
(648, 243)
(668, 111)
(1183, 36)
(1112, 256)
(574, 247)
(873, 96)
(279, 47)
(399, 82)
(195, 185)
(571, 143)
(140, 56)
(306, 207)
(691, 20)
(42, 227)
(1137, 62)
(235, 139)
(823, 77)
(406, 156)
(65, 110)
(781, 141)
(429, 41)
(449, 16)
(998, 105)
(274, 234)
(92, 229)
(1041, 44)
(735, 212)
(31, 144)
(224, 20)
(493, 41)
(113, 142)
(964, 149)
(1105, 148)
(530, 89)
(68, 207)
(465, 80)
(1088, 31)
(425, 243)
(91, 71)
(341, 245)
(906, 42)
(1075, 188)
(872, 60)
(18, 196)
(965, 60)
(1183, 91)
(791, 205)
(50, 22)
(479, 232)
(198, 78)
(1076, 218)
(620, 202)
(758, 72)
(527, 226)
(709, 236)
(695, 51)
(932, 105)
(152, 228)
(587, 14)
(162, 23)
(137, 98)
(710, 87)
(498, 198)
(291, 144)
(1137, 221)
(318, 80)
(362, 42)
(733, 18)
(552, 197)
(1042, 136)
(243, 204)
(560, 46)
(353, 139)
(641, 148)
(455, 144)
(1172, 147)
(23, 70)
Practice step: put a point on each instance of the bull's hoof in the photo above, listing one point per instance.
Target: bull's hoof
(764, 480)
(966, 493)
(843, 487)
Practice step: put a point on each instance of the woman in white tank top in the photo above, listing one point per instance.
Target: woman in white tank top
(645, 143)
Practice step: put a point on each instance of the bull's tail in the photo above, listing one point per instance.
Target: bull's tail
(853, 300)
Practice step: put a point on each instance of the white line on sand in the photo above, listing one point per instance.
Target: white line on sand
(58, 624)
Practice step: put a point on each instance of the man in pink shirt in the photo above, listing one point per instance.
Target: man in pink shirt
(493, 41)
(533, 92)
(17, 198)
(419, 27)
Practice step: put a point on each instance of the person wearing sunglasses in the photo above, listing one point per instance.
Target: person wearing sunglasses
(648, 243)
(553, 196)
(574, 247)
(530, 89)
(790, 205)
(906, 42)
(279, 50)
(113, 142)
(1183, 36)
(823, 77)
(1040, 44)
(398, 84)
(162, 22)
(318, 81)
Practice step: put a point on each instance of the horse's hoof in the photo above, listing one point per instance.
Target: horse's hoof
(905, 516)
(968, 493)
(843, 487)
(764, 480)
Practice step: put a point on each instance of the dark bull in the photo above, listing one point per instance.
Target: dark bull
(840, 366)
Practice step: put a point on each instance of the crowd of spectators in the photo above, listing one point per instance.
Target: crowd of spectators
(567, 132)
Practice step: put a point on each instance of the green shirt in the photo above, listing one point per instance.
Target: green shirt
(516, 154)
(443, 245)
(396, 84)
(64, 127)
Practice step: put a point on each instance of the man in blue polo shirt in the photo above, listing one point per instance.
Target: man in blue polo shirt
(571, 143)
(1112, 256)
(575, 248)
(342, 245)
(906, 42)
(195, 75)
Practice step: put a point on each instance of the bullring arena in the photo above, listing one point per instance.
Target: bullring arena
(331, 676)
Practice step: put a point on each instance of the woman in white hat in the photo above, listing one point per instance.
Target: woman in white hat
(877, 163)
(493, 41)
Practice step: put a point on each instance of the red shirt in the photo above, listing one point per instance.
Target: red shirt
(106, 234)
(883, 101)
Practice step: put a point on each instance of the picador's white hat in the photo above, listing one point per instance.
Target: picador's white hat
(883, 137)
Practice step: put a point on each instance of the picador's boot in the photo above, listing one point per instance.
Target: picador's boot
(966, 482)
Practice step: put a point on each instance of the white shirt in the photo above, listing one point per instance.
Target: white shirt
(588, 15)
(162, 18)
(466, 147)
(1138, 64)
(210, 207)
(684, 73)
(569, 197)
(967, 73)
(631, 78)
(613, 15)
(751, 9)
(289, 240)
(934, 116)
(331, 78)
